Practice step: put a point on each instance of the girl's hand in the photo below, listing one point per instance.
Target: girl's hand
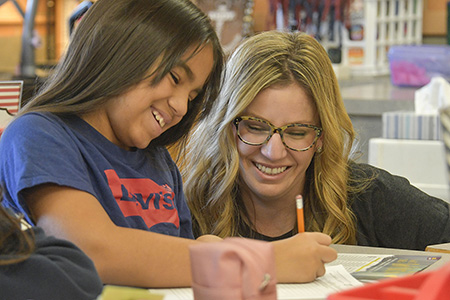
(209, 238)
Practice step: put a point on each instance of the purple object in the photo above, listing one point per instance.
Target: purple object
(415, 65)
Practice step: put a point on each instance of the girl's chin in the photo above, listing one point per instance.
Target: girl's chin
(142, 144)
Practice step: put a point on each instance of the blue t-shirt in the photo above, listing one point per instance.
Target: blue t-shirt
(139, 189)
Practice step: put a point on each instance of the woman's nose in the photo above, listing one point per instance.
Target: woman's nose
(274, 149)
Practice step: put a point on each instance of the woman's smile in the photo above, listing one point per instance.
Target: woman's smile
(270, 171)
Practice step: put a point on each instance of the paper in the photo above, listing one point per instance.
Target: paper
(433, 96)
(336, 279)
(353, 262)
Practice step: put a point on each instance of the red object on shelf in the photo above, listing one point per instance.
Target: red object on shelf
(10, 95)
(431, 285)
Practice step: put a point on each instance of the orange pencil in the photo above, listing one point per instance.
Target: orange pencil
(300, 217)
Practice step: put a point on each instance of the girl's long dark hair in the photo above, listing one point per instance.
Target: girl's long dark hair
(116, 45)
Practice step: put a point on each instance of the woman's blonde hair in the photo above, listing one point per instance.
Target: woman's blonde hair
(211, 163)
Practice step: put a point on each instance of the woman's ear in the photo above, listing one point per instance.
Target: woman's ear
(234, 129)
(319, 144)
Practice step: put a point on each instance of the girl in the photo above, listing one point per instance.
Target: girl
(85, 159)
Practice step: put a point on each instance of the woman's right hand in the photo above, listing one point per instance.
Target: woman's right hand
(301, 258)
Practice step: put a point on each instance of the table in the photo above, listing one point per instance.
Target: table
(186, 293)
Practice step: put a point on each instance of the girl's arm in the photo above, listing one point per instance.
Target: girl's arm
(122, 256)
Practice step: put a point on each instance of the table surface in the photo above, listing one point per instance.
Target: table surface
(375, 95)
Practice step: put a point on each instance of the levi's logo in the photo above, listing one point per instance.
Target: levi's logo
(144, 198)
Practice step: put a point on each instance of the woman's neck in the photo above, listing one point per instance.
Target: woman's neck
(270, 217)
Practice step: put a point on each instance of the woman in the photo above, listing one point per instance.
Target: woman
(279, 129)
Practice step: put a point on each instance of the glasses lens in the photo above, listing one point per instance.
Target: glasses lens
(299, 137)
(253, 132)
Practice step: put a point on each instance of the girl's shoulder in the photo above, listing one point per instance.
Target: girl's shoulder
(34, 121)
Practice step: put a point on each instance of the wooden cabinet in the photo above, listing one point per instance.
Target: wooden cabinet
(435, 17)
(11, 27)
(51, 26)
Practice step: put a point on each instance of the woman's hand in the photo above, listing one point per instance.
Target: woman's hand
(301, 258)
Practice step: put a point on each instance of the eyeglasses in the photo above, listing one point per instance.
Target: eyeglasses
(298, 137)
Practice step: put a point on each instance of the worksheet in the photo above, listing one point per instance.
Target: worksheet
(336, 279)
(354, 262)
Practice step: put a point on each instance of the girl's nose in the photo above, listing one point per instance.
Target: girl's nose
(274, 149)
(179, 104)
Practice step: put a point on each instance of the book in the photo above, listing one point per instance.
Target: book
(445, 248)
(374, 267)
(114, 292)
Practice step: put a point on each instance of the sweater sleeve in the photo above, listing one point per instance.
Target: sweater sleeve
(56, 270)
(393, 213)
